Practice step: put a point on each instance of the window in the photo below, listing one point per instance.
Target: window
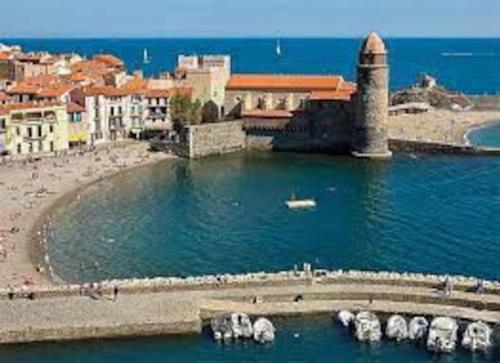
(30, 146)
(40, 131)
(30, 134)
(51, 146)
(112, 111)
(51, 128)
(261, 103)
(19, 148)
(2, 124)
(18, 131)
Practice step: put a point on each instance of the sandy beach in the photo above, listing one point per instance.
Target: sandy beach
(439, 126)
(29, 189)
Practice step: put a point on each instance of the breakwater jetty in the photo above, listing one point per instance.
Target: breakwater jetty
(159, 306)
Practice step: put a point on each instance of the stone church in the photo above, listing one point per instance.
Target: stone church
(317, 113)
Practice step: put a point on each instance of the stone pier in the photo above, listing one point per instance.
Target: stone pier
(165, 306)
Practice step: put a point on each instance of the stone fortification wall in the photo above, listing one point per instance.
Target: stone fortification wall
(419, 147)
(324, 126)
(214, 139)
(486, 102)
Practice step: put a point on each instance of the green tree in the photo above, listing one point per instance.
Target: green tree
(184, 111)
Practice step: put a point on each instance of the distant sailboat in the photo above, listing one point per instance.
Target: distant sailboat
(278, 48)
(145, 57)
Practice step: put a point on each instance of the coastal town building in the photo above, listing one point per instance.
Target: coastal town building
(30, 128)
(207, 75)
(78, 126)
(45, 88)
(280, 96)
(133, 110)
(283, 112)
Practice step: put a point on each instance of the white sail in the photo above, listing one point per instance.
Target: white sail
(145, 56)
(278, 48)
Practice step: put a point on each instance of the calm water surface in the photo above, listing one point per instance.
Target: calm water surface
(227, 214)
(486, 136)
(468, 65)
(319, 340)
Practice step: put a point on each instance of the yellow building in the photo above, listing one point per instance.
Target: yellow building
(78, 127)
(30, 128)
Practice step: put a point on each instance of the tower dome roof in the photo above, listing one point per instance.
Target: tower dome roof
(374, 45)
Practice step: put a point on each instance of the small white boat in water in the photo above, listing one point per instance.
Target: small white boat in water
(145, 57)
(301, 203)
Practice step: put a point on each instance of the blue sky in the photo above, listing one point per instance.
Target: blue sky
(234, 18)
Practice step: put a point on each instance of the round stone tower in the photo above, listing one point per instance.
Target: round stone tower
(372, 101)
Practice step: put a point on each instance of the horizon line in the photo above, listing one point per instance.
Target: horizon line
(249, 37)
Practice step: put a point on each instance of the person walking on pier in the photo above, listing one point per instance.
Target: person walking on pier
(448, 287)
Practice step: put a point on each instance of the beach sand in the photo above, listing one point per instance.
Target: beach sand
(439, 126)
(29, 189)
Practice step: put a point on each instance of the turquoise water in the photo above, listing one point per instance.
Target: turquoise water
(319, 340)
(468, 65)
(486, 136)
(227, 214)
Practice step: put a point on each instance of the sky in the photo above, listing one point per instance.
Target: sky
(249, 18)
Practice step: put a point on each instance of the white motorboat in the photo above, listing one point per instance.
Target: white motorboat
(300, 203)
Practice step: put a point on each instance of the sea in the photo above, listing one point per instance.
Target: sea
(436, 214)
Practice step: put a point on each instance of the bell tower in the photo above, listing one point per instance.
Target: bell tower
(370, 139)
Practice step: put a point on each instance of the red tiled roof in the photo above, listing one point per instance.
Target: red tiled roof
(105, 91)
(74, 107)
(330, 95)
(109, 60)
(4, 96)
(23, 88)
(41, 80)
(267, 114)
(43, 86)
(284, 82)
(167, 92)
(55, 90)
(5, 55)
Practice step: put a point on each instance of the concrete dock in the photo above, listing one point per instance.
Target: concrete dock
(179, 306)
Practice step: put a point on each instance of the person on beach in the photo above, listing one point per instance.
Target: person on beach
(115, 292)
(10, 293)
